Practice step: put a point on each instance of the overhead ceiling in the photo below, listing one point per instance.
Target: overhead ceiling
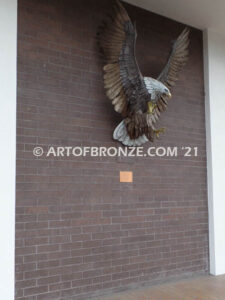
(201, 14)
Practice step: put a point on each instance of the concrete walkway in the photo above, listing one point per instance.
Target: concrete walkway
(202, 288)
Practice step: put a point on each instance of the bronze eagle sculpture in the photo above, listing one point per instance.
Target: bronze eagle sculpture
(139, 99)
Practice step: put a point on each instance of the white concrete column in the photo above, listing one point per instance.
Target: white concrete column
(214, 61)
(8, 41)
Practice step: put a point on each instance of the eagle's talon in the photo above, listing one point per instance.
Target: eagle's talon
(158, 131)
(151, 107)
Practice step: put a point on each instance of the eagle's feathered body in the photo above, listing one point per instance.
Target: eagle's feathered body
(139, 99)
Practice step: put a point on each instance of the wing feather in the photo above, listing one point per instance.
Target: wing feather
(177, 59)
(123, 80)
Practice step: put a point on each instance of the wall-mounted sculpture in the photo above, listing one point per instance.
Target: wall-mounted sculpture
(140, 100)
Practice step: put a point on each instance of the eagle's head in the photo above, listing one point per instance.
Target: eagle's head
(163, 90)
(156, 88)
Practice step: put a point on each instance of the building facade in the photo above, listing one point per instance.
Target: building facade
(79, 232)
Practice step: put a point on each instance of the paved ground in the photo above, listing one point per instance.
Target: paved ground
(203, 288)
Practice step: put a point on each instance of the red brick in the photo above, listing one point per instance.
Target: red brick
(79, 233)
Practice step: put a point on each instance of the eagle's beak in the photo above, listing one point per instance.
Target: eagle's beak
(169, 95)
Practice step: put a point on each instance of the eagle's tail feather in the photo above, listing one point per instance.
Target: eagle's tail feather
(120, 134)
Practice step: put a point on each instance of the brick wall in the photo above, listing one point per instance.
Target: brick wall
(79, 231)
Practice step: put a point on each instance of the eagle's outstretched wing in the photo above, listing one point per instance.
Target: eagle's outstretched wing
(177, 59)
(123, 80)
